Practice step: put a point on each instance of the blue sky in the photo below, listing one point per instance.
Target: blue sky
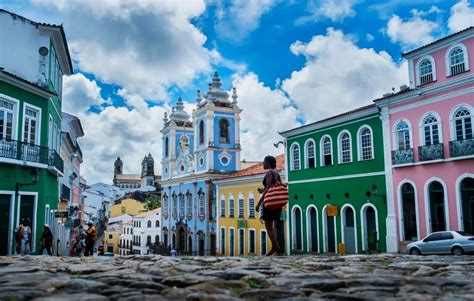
(298, 61)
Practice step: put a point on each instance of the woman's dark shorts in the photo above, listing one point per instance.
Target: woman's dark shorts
(271, 214)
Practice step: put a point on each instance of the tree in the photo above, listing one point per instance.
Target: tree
(152, 202)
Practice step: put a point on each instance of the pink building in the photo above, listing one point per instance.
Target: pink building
(428, 138)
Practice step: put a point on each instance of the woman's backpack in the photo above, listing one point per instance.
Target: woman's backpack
(277, 195)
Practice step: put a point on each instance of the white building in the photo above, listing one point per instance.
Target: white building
(146, 231)
(97, 200)
(126, 239)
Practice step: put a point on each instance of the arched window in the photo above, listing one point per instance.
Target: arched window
(157, 224)
(345, 155)
(402, 136)
(295, 157)
(222, 207)
(231, 208)
(463, 124)
(202, 204)
(456, 61)
(165, 206)
(310, 154)
(430, 130)
(224, 134)
(201, 132)
(189, 197)
(175, 205)
(148, 240)
(425, 69)
(181, 205)
(167, 147)
(251, 206)
(366, 151)
(326, 151)
(149, 224)
(157, 239)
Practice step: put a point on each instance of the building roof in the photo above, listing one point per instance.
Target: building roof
(246, 164)
(257, 169)
(129, 177)
(52, 26)
(328, 121)
(437, 41)
(148, 213)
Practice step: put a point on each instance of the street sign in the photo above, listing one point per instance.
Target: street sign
(60, 214)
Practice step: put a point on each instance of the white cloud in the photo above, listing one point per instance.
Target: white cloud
(265, 112)
(335, 10)
(413, 32)
(143, 46)
(241, 18)
(462, 16)
(80, 93)
(339, 76)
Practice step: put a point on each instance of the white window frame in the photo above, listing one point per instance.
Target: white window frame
(359, 142)
(321, 151)
(452, 120)
(35, 216)
(38, 122)
(254, 242)
(306, 153)
(292, 147)
(433, 66)
(231, 208)
(421, 127)
(241, 231)
(232, 250)
(447, 58)
(261, 242)
(241, 209)
(339, 147)
(395, 133)
(15, 110)
(249, 207)
(223, 241)
(223, 207)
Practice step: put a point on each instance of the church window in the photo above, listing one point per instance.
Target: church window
(181, 205)
(224, 135)
(165, 206)
(167, 144)
(201, 203)
(175, 205)
(201, 132)
(189, 199)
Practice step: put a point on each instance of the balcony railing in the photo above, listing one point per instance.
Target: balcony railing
(459, 148)
(431, 152)
(55, 160)
(403, 156)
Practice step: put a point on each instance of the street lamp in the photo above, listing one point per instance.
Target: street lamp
(34, 181)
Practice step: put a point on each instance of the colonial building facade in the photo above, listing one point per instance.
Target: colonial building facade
(241, 231)
(30, 124)
(337, 184)
(146, 181)
(428, 139)
(197, 150)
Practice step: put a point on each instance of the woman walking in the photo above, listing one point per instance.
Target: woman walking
(270, 216)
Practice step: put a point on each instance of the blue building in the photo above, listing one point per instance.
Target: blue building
(197, 150)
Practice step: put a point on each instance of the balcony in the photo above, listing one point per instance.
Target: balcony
(431, 152)
(65, 192)
(54, 160)
(460, 148)
(403, 156)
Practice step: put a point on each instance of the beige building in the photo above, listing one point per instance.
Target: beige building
(127, 206)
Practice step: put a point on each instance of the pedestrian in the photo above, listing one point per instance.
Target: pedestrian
(91, 237)
(79, 242)
(46, 240)
(25, 234)
(270, 216)
(18, 234)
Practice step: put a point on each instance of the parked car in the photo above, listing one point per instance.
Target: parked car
(443, 242)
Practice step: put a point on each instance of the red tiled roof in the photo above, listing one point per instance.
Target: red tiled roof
(258, 169)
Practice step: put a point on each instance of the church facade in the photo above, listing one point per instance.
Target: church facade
(146, 181)
(197, 150)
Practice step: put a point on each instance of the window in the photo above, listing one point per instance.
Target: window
(241, 207)
(224, 135)
(30, 131)
(175, 205)
(148, 240)
(231, 208)
(157, 239)
(251, 207)
(222, 207)
(149, 224)
(463, 124)
(263, 242)
(326, 151)
(295, 156)
(241, 241)
(223, 241)
(167, 147)
(201, 132)
(345, 155)
(456, 61)
(157, 224)
(181, 205)
(430, 130)
(251, 241)
(123, 209)
(426, 71)
(366, 151)
(56, 75)
(111, 236)
(201, 203)
(310, 156)
(402, 136)
(6, 120)
(189, 198)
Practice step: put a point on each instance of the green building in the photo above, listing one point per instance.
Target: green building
(337, 184)
(31, 70)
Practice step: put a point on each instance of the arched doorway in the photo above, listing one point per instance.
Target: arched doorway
(370, 228)
(201, 244)
(190, 245)
(408, 204)
(213, 244)
(297, 229)
(165, 237)
(173, 243)
(349, 229)
(231, 242)
(467, 199)
(182, 240)
(329, 232)
(312, 229)
(436, 206)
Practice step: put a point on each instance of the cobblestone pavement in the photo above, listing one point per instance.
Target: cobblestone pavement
(354, 277)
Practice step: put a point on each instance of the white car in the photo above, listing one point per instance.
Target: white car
(443, 242)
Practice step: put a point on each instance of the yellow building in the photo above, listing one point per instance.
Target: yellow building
(112, 238)
(240, 230)
(128, 206)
